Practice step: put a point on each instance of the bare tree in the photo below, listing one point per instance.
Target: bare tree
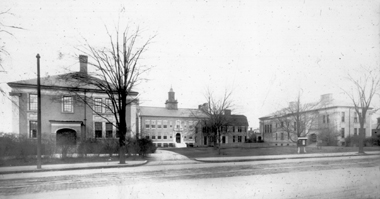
(361, 94)
(118, 71)
(297, 119)
(5, 29)
(216, 119)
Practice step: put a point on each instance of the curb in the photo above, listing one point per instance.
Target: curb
(279, 158)
(73, 168)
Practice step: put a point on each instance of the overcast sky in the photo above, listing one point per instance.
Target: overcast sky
(265, 51)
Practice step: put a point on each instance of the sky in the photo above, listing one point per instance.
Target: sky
(265, 52)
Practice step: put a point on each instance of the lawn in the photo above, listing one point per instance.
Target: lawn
(68, 160)
(233, 152)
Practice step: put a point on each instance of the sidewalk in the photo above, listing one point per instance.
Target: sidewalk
(282, 157)
(63, 167)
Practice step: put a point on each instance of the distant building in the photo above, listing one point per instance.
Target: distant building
(234, 133)
(337, 118)
(63, 112)
(169, 126)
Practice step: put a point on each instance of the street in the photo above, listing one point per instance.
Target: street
(343, 177)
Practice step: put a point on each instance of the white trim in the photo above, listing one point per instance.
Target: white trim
(70, 124)
(15, 114)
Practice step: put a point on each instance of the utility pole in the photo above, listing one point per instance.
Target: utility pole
(38, 114)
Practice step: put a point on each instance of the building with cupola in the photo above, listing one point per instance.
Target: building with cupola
(169, 126)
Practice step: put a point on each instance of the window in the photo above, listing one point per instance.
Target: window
(153, 137)
(165, 124)
(355, 131)
(32, 129)
(270, 128)
(342, 131)
(98, 105)
(282, 136)
(170, 124)
(282, 124)
(153, 124)
(109, 130)
(147, 137)
(191, 125)
(356, 118)
(147, 124)
(233, 128)
(33, 102)
(98, 129)
(343, 114)
(108, 105)
(159, 137)
(295, 126)
(324, 119)
(159, 124)
(328, 119)
(178, 124)
(233, 138)
(276, 136)
(165, 137)
(190, 137)
(184, 124)
(240, 129)
(67, 104)
(239, 138)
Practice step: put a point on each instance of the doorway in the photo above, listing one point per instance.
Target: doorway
(178, 138)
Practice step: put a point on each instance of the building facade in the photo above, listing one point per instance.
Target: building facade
(64, 112)
(169, 126)
(334, 119)
(234, 133)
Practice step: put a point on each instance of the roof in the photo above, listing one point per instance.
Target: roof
(333, 103)
(164, 112)
(237, 120)
(75, 80)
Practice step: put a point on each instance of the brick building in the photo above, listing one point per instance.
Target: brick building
(62, 111)
(169, 126)
(234, 133)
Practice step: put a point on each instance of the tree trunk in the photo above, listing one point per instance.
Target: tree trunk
(361, 139)
(218, 140)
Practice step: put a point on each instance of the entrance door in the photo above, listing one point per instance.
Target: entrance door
(223, 139)
(178, 138)
(66, 137)
(205, 140)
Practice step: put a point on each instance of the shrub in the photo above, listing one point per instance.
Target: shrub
(146, 146)
(110, 146)
(352, 140)
(371, 141)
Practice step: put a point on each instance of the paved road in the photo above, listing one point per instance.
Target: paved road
(345, 177)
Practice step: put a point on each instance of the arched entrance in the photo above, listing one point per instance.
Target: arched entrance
(66, 137)
(178, 138)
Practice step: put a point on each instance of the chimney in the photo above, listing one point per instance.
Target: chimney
(203, 107)
(83, 63)
(227, 112)
(326, 99)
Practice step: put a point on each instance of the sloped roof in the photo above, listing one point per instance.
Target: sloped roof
(75, 80)
(333, 103)
(237, 120)
(164, 112)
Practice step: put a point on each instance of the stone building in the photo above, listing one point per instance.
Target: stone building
(329, 119)
(62, 111)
